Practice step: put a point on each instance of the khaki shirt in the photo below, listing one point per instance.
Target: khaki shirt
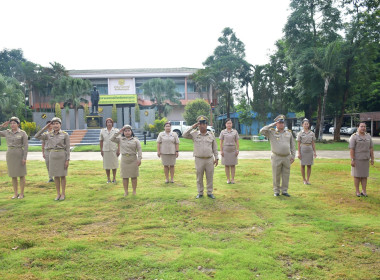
(130, 146)
(167, 142)
(56, 141)
(361, 145)
(46, 143)
(18, 139)
(282, 143)
(105, 136)
(230, 138)
(204, 145)
(306, 138)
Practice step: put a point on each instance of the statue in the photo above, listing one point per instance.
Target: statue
(94, 100)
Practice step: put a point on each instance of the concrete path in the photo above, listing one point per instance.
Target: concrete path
(189, 155)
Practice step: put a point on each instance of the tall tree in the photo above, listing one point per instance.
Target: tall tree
(11, 98)
(327, 62)
(227, 68)
(312, 25)
(162, 93)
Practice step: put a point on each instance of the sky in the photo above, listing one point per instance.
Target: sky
(117, 34)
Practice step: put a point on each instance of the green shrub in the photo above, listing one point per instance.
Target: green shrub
(86, 111)
(28, 127)
(146, 127)
(114, 113)
(58, 112)
(158, 125)
(137, 113)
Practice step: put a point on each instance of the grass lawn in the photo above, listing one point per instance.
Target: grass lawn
(322, 232)
(187, 145)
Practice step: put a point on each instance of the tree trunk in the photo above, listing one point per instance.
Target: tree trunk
(76, 118)
(318, 117)
(321, 124)
(228, 104)
(345, 98)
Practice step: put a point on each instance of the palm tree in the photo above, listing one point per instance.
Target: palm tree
(162, 93)
(70, 91)
(327, 64)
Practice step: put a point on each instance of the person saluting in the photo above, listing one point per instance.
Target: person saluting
(283, 153)
(205, 153)
(59, 157)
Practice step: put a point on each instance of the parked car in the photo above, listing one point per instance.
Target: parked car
(179, 127)
(343, 130)
(351, 130)
(331, 130)
(296, 128)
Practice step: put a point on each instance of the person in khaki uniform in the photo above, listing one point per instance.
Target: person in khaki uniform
(17, 142)
(167, 150)
(229, 150)
(306, 150)
(131, 156)
(46, 150)
(205, 153)
(283, 153)
(109, 150)
(361, 150)
(59, 157)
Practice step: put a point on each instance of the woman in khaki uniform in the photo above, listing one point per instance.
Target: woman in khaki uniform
(229, 149)
(17, 142)
(131, 156)
(306, 150)
(361, 150)
(167, 150)
(109, 150)
(59, 157)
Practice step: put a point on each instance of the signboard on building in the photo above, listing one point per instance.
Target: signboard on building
(121, 86)
(118, 99)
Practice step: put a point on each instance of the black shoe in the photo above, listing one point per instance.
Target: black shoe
(51, 180)
(362, 194)
(286, 194)
(211, 196)
(276, 194)
(199, 196)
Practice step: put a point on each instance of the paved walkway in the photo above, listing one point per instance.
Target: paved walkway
(189, 155)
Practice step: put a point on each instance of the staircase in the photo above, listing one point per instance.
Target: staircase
(88, 137)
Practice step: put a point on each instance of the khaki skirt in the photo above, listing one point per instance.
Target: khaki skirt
(57, 164)
(307, 155)
(128, 166)
(110, 160)
(361, 168)
(14, 162)
(168, 160)
(229, 157)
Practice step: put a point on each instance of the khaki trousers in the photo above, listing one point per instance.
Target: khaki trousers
(47, 154)
(280, 169)
(204, 165)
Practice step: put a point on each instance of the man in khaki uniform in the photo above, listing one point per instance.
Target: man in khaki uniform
(205, 153)
(283, 153)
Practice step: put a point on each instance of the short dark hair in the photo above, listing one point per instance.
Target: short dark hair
(360, 123)
(227, 120)
(48, 122)
(168, 124)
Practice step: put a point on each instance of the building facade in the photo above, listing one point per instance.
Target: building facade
(122, 87)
